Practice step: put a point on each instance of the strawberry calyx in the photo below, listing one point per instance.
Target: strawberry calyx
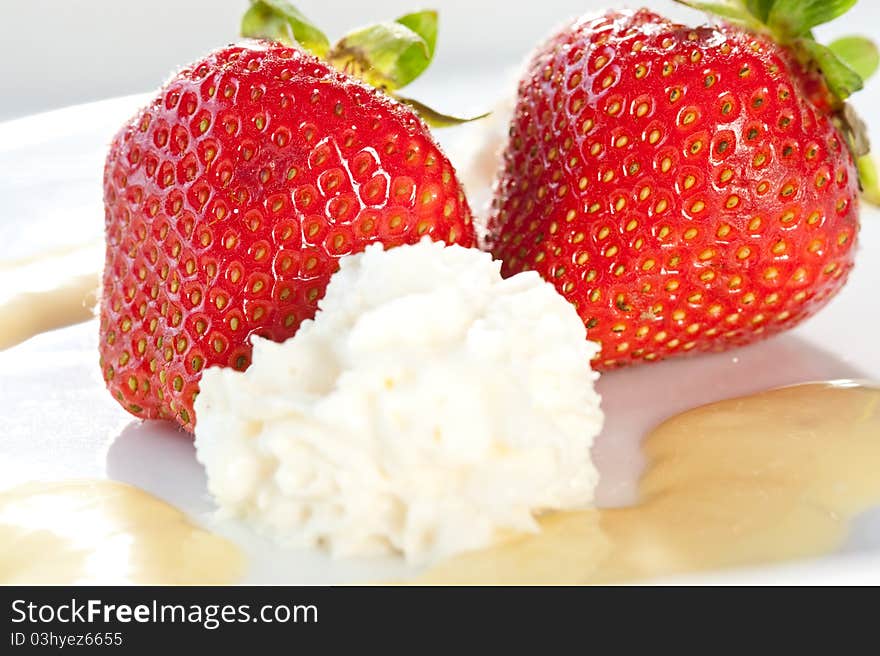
(387, 55)
(845, 63)
(278, 20)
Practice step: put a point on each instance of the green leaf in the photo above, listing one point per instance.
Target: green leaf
(423, 23)
(793, 18)
(279, 20)
(868, 179)
(732, 10)
(841, 79)
(857, 52)
(434, 118)
(386, 55)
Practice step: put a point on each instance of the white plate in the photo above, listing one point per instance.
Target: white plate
(57, 420)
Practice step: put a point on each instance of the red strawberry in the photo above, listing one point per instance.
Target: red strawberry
(686, 189)
(230, 199)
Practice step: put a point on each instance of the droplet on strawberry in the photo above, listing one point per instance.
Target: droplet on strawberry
(687, 189)
(229, 200)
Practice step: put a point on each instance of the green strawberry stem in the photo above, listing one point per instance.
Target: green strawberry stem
(845, 63)
(387, 55)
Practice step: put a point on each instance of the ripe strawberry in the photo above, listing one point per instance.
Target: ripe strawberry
(231, 197)
(686, 189)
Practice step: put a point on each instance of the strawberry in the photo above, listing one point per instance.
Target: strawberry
(686, 189)
(230, 198)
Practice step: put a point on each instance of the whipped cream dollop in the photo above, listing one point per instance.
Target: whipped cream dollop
(429, 408)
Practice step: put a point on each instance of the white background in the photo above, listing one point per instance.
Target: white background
(55, 53)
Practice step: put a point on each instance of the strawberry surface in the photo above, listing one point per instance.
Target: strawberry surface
(231, 197)
(685, 188)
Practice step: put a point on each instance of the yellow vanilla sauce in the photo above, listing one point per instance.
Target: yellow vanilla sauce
(92, 532)
(753, 480)
(48, 291)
